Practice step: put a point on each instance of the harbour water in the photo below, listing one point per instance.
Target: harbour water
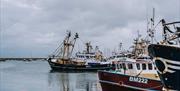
(37, 76)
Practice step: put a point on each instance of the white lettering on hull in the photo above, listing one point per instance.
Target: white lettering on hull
(138, 79)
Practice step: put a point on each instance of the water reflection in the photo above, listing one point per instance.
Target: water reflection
(35, 76)
(73, 81)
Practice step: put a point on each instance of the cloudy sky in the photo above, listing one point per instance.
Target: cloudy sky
(36, 27)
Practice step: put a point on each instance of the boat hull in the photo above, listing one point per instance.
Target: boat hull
(74, 67)
(111, 81)
(167, 60)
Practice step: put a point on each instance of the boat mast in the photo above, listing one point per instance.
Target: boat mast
(88, 47)
(73, 43)
(68, 46)
(140, 46)
(151, 30)
(120, 47)
(137, 47)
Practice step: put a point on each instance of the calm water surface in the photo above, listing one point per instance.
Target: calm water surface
(36, 76)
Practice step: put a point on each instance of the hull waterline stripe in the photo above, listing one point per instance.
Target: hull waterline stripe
(123, 85)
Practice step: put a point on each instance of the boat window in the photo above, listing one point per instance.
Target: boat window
(124, 66)
(155, 68)
(138, 66)
(130, 66)
(150, 66)
(144, 66)
(120, 65)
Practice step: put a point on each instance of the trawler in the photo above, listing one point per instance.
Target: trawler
(93, 57)
(166, 56)
(62, 60)
(118, 55)
(135, 72)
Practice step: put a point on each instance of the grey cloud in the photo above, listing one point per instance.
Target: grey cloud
(39, 25)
